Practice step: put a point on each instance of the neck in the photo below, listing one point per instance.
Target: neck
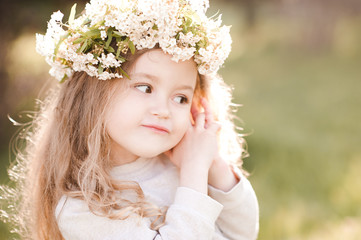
(120, 156)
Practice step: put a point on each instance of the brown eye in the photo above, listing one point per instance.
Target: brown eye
(144, 88)
(181, 99)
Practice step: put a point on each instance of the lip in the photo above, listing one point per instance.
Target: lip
(156, 128)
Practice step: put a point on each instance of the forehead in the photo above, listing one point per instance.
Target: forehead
(157, 63)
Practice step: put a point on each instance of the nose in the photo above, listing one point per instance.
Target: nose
(160, 107)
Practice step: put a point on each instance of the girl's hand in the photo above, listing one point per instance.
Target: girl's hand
(197, 150)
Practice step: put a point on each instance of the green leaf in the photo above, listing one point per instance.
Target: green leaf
(87, 22)
(64, 78)
(85, 45)
(93, 33)
(118, 40)
(120, 58)
(110, 37)
(124, 73)
(155, 27)
(100, 69)
(117, 34)
(98, 24)
(188, 22)
(118, 53)
(72, 14)
(78, 40)
(58, 44)
(131, 46)
(109, 49)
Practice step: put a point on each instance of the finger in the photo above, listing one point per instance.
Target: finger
(200, 120)
(214, 126)
(208, 111)
(194, 111)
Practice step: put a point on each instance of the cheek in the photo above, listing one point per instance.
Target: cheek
(117, 119)
(183, 121)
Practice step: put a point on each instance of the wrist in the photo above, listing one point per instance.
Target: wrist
(221, 176)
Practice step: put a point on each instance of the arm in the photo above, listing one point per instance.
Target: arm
(239, 217)
(199, 149)
(191, 216)
(228, 186)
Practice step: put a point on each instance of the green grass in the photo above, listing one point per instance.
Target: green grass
(304, 112)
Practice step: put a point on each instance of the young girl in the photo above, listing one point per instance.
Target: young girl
(138, 141)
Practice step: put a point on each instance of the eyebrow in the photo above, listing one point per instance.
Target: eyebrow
(156, 79)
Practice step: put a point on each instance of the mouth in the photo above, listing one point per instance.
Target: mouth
(157, 128)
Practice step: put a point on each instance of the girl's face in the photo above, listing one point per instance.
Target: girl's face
(151, 112)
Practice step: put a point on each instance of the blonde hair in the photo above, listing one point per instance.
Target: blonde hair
(68, 153)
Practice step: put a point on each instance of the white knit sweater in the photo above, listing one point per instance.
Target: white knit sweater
(191, 215)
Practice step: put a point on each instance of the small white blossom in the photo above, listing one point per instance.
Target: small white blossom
(145, 23)
(109, 60)
(103, 34)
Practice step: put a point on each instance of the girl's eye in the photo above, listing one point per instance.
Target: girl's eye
(144, 88)
(181, 99)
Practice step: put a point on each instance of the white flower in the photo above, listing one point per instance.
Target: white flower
(145, 23)
(59, 71)
(103, 34)
(109, 60)
(200, 6)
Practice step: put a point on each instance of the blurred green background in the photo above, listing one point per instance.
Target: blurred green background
(296, 69)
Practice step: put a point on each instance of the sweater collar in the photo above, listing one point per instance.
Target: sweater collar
(133, 170)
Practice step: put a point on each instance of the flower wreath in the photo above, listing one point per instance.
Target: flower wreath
(93, 42)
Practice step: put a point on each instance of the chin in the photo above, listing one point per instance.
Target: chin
(151, 153)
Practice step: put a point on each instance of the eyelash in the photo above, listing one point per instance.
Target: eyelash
(144, 85)
(184, 99)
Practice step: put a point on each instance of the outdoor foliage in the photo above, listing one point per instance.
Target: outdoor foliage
(297, 76)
